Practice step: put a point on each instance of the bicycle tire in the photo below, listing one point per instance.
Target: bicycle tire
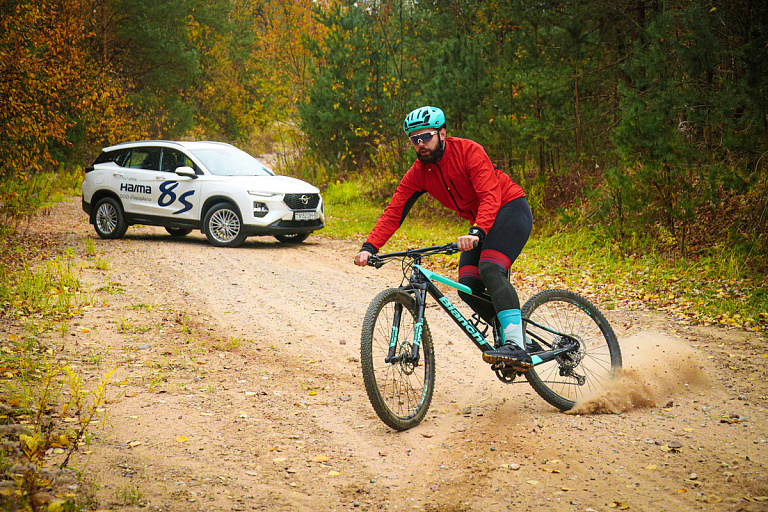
(399, 392)
(597, 359)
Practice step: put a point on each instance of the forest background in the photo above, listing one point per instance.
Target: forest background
(643, 122)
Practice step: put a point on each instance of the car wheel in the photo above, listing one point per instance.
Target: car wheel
(293, 238)
(224, 226)
(178, 231)
(108, 219)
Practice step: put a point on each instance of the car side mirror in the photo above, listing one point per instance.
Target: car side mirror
(186, 171)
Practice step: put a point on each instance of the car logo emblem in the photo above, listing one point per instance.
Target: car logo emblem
(304, 199)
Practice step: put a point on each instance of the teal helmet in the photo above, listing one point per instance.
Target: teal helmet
(424, 117)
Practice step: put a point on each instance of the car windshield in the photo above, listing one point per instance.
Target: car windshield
(229, 161)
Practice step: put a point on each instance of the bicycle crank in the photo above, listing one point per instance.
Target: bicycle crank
(505, 373)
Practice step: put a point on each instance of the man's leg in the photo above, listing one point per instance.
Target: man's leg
(501, 247)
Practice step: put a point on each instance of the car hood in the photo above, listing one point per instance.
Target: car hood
(273, 184)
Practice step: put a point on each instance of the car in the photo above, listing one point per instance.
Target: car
(212, 186)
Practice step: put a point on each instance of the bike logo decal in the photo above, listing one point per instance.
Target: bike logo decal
(417, 333)
(168, 197)
(477, 335)
(393, 336)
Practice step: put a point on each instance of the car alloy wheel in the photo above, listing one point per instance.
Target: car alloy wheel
(108, 220)
(223, 226)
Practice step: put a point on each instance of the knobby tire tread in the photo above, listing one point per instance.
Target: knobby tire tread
(389, 417)
(549, 296)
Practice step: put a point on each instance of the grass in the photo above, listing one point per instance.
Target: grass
(717, 289)
(39, 389)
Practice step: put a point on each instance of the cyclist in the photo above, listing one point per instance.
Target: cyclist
(460, 175)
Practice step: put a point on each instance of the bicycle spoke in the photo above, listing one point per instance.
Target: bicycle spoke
(571, 377)
(399, 390)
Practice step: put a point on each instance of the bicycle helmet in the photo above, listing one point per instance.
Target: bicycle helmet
(424, 117)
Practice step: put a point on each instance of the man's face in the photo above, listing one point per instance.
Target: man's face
(428, 150)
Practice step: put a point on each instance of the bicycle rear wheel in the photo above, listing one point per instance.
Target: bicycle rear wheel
(574, 375)
(400, 392)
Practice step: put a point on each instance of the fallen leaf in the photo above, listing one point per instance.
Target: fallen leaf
(320, 458)
(251, 473)
(334, 473)
(181, 439)
(279, 459)
(713, 498)
(426, 434)
(650, 466)
(532, 482)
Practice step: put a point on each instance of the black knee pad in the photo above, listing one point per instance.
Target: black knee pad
(499, 288)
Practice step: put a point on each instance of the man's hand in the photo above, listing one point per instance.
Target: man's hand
(467, 242)
(361, 258)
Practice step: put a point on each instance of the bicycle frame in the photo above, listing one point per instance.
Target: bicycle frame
(421, 283)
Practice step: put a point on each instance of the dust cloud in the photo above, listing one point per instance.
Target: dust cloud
(656, 367)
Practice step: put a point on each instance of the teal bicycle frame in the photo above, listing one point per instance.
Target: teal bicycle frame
(421, 283)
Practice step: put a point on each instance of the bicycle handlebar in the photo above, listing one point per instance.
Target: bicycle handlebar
(377, 260)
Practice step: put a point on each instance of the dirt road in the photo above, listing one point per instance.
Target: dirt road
(238, 387)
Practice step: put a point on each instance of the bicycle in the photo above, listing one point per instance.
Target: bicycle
(572, 345)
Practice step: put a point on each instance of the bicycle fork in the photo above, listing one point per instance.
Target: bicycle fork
(413, 357)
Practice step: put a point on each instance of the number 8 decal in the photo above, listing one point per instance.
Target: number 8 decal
(168, 197)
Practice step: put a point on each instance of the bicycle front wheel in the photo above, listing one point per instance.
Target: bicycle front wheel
(574, 375)
(400, 391)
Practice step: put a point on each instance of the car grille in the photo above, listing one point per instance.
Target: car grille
(302, 201)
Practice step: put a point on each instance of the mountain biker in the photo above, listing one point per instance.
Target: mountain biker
(460, 175)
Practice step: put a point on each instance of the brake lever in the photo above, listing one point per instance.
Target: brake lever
(375, 262)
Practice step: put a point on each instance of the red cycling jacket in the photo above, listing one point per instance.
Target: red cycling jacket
(464, 180)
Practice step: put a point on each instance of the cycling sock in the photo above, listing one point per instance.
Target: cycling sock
(512, 325)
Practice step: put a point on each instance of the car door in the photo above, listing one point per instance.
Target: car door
(175, 197)
(137, 185)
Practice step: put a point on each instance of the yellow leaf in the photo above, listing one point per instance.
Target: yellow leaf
(181, 439)
(312, 393)
(320, 458)
(334, 473)
(651, 466)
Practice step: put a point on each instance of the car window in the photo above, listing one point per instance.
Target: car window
(117, 156)
(144, 158)
(230, 161)
(173, 159)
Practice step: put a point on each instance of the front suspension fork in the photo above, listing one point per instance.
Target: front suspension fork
(393, 356)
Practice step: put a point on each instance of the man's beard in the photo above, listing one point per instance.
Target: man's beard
(434, 155)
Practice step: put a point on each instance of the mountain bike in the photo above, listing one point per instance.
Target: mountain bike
(572, 346)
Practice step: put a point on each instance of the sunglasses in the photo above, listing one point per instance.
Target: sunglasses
(422, 138)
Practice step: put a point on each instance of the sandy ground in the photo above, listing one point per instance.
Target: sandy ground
(237, 386)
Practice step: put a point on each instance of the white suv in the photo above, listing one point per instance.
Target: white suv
(211, 186)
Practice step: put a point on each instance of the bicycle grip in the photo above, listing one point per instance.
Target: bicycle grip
(374, 261)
